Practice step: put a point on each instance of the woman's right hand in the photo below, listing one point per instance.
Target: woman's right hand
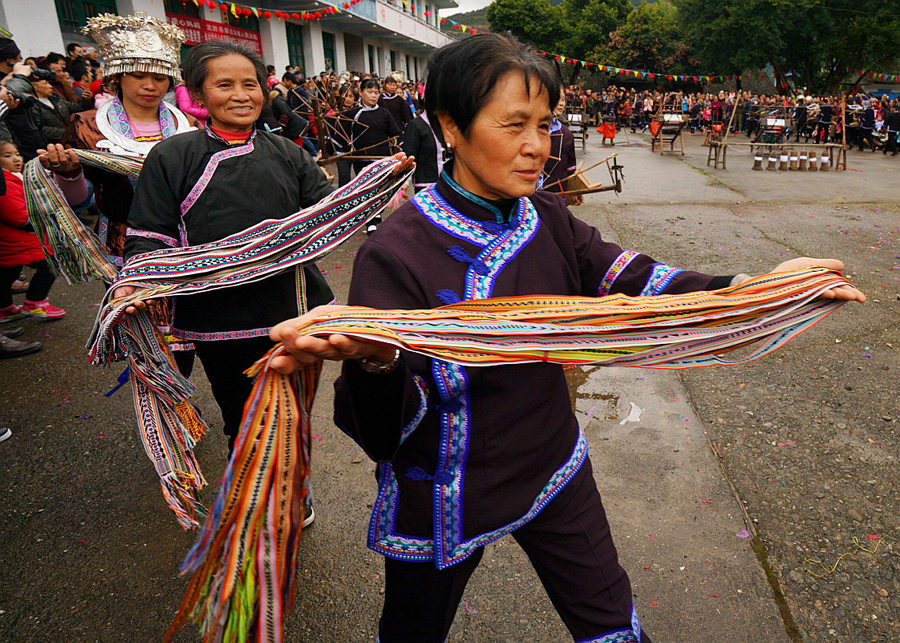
(306, 349)
(124, 291)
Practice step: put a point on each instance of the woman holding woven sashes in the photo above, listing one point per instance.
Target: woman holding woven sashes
(205, 185)
(468, 455)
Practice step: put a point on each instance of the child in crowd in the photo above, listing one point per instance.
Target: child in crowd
(19, 245)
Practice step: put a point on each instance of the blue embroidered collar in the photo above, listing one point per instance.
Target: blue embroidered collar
(500, 216)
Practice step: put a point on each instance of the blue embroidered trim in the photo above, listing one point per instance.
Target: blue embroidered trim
(472, 197)
(423, 409)
(441, 214)
(632, 635)
(383, 538)
(660, 276)
(614, 271)
(501, 251)
(453, 385)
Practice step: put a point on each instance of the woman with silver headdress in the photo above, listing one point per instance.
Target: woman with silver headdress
(142, 63)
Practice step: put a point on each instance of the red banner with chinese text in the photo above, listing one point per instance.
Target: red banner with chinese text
(197, 30)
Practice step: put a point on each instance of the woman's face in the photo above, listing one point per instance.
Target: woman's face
(508, 142)
(143, 90)
(349, 99)
(369, 96)
(231, 93)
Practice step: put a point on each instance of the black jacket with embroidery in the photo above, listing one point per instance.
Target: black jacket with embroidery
(276, 179)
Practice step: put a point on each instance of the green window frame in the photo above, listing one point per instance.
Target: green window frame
(179, 8)
(295, 45)
(250, 23)
(75, 13)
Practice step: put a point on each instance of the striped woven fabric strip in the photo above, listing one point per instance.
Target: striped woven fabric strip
(77, 253)
(244, 560)
(664, 331)
(167, 420)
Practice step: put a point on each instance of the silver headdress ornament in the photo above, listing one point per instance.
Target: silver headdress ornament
(137, 43)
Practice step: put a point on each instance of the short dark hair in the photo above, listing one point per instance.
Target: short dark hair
(52, 58)
(367, 83)
(463, 74)
(79, 69)
(196, 69)
(289, 76)
(71, 47)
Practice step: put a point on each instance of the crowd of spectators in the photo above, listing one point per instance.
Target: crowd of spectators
(871, 123)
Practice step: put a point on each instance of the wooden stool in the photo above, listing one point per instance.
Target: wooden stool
(783, 161)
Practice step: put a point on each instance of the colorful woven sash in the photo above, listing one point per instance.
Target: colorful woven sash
(78, 255)
(168, 423)
(244, 561)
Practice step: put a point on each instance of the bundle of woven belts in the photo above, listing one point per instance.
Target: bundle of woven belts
(169, 424)
(76, 252)
(244, 561)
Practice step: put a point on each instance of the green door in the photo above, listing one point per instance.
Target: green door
(295, 45)
(328, 50)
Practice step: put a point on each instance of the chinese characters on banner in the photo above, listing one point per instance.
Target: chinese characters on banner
(197, 30)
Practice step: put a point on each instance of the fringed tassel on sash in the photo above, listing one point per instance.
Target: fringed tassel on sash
(77, 253)
(244, 560)
(168, 423)
(162, 399)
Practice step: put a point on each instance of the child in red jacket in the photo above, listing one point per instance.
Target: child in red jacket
(19, 246)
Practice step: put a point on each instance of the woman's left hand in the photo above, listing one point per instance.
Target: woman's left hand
(847, 293)
(406, 163)
(58, 159)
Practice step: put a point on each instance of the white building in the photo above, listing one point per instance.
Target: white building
(376, 36)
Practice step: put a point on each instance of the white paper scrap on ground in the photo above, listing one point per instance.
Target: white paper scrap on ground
(635, 415)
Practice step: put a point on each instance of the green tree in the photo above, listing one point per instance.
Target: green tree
(532, 21)
(651, 39)
(816, 42)
(571, 29)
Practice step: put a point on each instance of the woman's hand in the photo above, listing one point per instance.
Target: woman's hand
(305, 349)
(124, 291)
(406, 163)
(58, 159)
(847, 293)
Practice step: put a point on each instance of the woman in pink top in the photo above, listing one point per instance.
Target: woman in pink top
(189, 106)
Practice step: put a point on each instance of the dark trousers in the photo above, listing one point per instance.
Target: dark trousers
(891, 144)
(225, 362)
(571, 548)
(343, 170)
(865, 138)
(41, 282)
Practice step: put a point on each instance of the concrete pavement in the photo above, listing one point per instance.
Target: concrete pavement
(91, 552)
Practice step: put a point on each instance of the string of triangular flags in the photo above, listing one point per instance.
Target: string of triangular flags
(636, 73)
(245, 10)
